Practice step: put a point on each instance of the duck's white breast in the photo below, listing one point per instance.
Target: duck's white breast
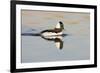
(48, 34)
(53, 37)
(51, 34)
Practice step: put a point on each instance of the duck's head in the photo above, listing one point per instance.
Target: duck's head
(60, 25)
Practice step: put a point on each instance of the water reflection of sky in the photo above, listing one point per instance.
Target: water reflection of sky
(76, 46)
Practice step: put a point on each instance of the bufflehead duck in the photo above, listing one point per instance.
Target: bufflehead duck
(54, 32)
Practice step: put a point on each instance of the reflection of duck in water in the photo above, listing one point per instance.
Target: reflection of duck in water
(57, 39)
(53, 32)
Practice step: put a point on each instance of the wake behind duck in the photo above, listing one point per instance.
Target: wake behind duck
(57, 31)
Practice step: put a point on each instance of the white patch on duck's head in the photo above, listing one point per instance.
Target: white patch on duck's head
(59, 25)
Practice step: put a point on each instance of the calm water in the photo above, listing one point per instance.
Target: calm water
(76, 45)
(37, 49)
